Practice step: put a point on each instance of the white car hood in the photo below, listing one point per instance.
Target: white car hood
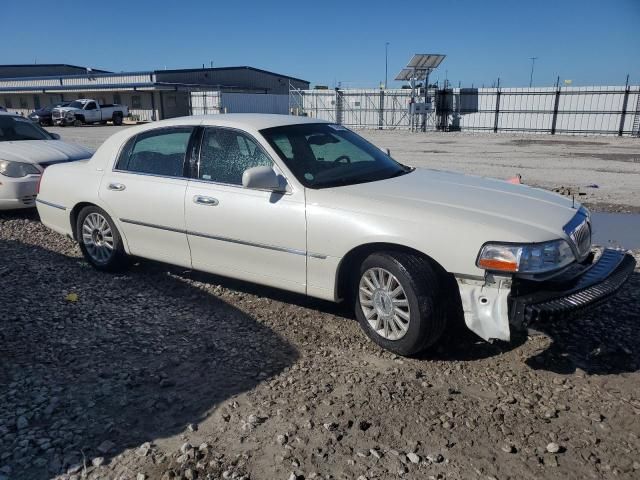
(42, 151)
(423, 192)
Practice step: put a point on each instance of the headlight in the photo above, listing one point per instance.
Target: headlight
(17, 169)
(526, 258)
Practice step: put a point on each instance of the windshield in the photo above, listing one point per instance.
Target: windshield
(17, 128)
(323, 155)
(76, 104)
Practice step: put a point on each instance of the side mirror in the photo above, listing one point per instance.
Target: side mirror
(263, 178)
(55, 136)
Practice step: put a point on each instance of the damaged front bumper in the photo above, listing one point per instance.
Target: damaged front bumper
(494, 305)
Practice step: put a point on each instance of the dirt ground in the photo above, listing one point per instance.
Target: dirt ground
(163, 373)
(602, 172)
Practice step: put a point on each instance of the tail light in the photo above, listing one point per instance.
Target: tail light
(38, 184)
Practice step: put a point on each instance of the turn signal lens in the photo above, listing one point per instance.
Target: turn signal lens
(500, 257)
(489, 264)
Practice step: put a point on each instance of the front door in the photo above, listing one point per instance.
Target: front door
(253, 235)
(145, 191)
(91, 113)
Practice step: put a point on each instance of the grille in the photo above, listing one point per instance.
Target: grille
(579, 231)
(581, 237)
(56, 114)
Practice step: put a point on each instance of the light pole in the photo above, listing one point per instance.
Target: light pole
(533, 63)
(386, 63)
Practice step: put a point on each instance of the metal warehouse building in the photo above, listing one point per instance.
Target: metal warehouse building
(150, 95)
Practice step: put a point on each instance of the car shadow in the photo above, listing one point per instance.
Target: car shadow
(458, 342)
(602, 341)
(93, 363)
(20, 214)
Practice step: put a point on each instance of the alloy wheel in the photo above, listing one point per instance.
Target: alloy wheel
(97, 237)
(384, 303)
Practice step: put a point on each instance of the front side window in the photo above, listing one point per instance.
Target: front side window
(157, 152)
(225, 154)
(323, 155)
(91, 106)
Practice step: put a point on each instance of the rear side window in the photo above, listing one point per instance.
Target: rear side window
(158, 152)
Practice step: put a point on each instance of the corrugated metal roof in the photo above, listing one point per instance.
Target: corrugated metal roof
(244, 67)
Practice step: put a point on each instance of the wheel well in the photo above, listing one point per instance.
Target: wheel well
(352, 260)
(73, 217)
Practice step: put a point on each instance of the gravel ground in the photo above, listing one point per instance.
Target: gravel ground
(567, 164)
(162, 373)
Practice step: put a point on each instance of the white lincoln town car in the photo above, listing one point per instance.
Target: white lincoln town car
(311, 207)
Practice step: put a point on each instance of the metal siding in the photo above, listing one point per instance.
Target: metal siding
(254, 103)
(85, 82)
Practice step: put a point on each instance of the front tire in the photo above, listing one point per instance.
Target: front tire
(100, 241)
(400, 302)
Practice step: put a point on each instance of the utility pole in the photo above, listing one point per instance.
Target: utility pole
(533, 63)
(386, 64)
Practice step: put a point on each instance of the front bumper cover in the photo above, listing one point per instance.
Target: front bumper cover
(585, 286)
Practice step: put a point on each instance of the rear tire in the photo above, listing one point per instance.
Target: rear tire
(405, 310)
(100, 241)
(117, 119)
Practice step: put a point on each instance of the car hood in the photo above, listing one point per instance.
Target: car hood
(42, 151)
(425, 192)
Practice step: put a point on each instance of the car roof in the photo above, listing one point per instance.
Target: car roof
(247, 121)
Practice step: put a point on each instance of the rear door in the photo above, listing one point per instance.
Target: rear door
(146, 190)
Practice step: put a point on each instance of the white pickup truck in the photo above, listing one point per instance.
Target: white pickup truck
(86, 110)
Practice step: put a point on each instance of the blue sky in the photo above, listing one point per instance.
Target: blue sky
(325, 42)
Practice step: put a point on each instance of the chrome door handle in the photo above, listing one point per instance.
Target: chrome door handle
(200, 200)
(118, 187)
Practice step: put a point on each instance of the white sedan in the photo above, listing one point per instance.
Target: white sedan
(25, 151)
(312, 207)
